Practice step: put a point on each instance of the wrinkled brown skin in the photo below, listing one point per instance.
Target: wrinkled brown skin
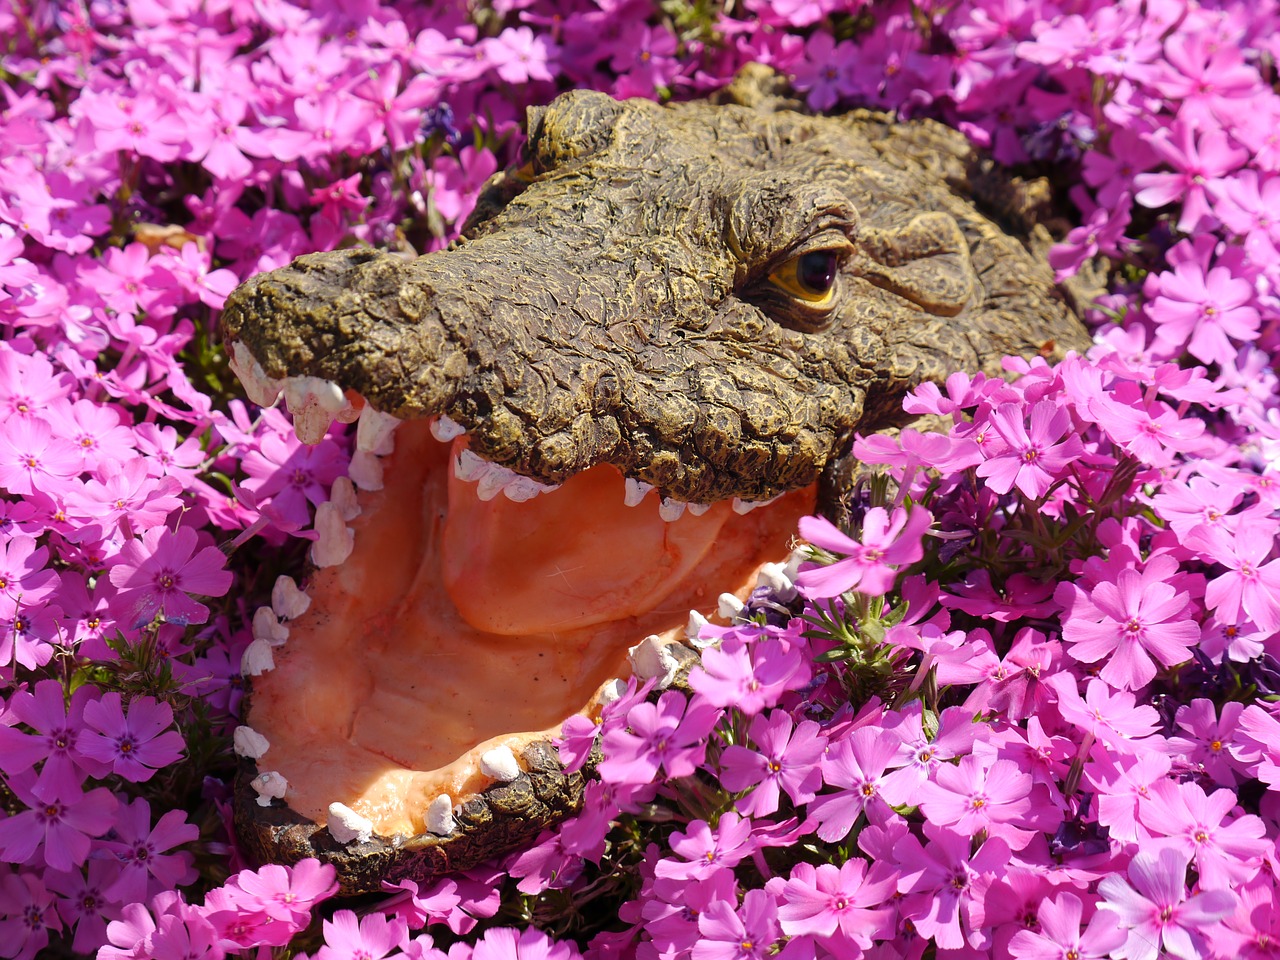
(615, 307)
(618, 309)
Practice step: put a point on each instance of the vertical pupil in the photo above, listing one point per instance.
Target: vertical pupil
(816, 271)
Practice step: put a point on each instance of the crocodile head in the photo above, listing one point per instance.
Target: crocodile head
(704, 300)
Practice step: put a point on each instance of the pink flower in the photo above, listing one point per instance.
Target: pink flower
(855, 764)
(783, 759)
(519, 56)
(1226, 854)
(59, 824)
(348, 938)
(1129, 622)
(980, 794)
(706, 851)
(670, 734)
(750, 677)
(869, 566)
(748, 933)
(844, 903)
(288, 894)
(27, 916)
(1208, 312)
(942, 880)
(1199, 161)
(1249, 585)
(1155, 910)
(57, 728)
(1112, 717)
(156, 576)
(146, 868)
(1030, 459)
(1059, 935)
(135, 744)
(32, 458)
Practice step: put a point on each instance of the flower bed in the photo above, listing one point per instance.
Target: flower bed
(1023, 706)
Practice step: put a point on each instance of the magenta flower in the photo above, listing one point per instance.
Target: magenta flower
(1199, 161)
(32, 458)
(57, 729)
(1250, 585)
(1112, 717)
(706, 851)
(1206, 744)
(59, 824)
(1030, 459)
(747, 933)
(347, 937)
(1155, 911)
(1226, 854)
(519, 56)
(135, 744)
(942, 880)
(749, 676)
(869, 566)
(855, 765)
(156, 576)
(288, 894)
(1132, 622)
(27, 916)
(846, 903)
(1210, 312)
(140, 849)
(669, 735)
(507, 943)
(980, 794)
(1060, 936)
(784, 758)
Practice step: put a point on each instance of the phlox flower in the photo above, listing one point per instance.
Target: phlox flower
(943, 880)
(784, 758)
(1208, 81)
(747, 933)
(58, 824)
(855, 765)
(1111, 717)
(28, 382)
(706, 851)
(671, 909)
(669, 735)
(292, 473)
(1225, 853)
(177, 931)
(749, 676)
(508, 943)
(1130, 623)
(1123, 785)
(869, 566)
(32, 458)
(27, 916)
(95, 429)
(918, 755)
(1207, 311)
(135, 744)
(1258, 741)
(1250, 585)
(844, 905)
(83, 903)
(56, 728)
(347, 937)
(1031, 457)
(1207, 741)
(519, 56)
(140, 849)
(1253, 930)
(1199, 161)
(1154, 909)
(980, 794)
(1060, 936)
(157, 575)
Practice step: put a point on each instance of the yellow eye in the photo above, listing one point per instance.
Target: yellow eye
(810, 277)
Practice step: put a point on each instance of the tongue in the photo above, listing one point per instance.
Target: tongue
(575, 557)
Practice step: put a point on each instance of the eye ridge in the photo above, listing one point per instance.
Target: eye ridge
(810, 276)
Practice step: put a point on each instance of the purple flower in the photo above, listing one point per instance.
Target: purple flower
(27, 916)
(347, 937)
(846, 904)
(156, 576)
(669, 735)
(1059, 935)
(1030, 459)
(747, 933)
(59, 824)
(1250, 585)
(1154, 909)
(980, 794)
(706, 851)
(855, 764)
(869, 566)
(57, 729)
(140, 849)
(507, 943)
(749, 676)
(785, 758)
(1200, 162)
(134, 744)
(1226, 854)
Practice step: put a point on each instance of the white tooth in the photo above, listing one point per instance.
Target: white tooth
(347, 825)
(694, 627)
(698, 509)
(343, 495)
(260, 388)
(635, 492)
(334, 538)
(365, 470)
(248, 742)
(743, 507)
(650, 659)
(444, 429)
(671, 510)
(774, 576)
(375, 433)
(439, 819)
(792, 567)
(523, 488)
(469, 467)
(314, 404)
(287, 600)
(270, 786)
(613, 690)
(500, 763)
(494, 479)
(267, 627)
(729, 606)
(257, 659)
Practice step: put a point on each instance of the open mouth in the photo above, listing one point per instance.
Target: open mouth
(476, 612)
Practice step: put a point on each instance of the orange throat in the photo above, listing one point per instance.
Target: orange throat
(459, 625)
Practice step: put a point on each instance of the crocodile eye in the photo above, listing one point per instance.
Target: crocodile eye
(810, 277)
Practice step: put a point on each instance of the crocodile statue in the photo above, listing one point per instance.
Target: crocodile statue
(702, 300)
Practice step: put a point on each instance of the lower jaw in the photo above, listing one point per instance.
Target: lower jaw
(458, 626)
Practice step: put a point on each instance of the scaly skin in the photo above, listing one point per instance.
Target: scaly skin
(615, 304)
